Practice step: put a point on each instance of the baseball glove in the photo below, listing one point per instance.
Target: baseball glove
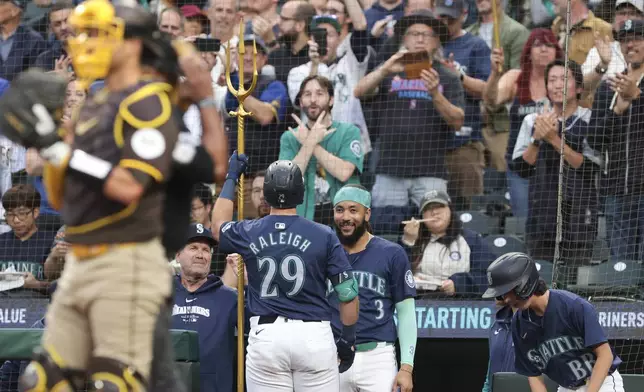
(31, 108)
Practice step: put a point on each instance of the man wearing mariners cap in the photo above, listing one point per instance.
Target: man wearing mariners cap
(204, 304)
(617, 101)
(606, 59)
(268, 106)
(384, 275)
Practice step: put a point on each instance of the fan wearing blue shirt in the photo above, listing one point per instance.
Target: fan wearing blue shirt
(555, 332)
(204, 304)
(25, 248)
(268, 105)
(468, 55)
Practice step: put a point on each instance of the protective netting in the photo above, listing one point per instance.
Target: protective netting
(452, 121)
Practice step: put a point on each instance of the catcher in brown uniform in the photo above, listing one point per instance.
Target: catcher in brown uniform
(109, 185)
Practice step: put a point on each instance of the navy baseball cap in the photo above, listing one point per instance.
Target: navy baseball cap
(631, 28)
(451, 8)
(249, 38)
(197, 231)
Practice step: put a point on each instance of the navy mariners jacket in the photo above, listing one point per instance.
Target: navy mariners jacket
(211, 310)
(501, 346)
(27, 45)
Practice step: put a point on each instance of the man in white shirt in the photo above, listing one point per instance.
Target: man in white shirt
(606, 58)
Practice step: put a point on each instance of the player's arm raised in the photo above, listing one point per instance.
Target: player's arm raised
(224, 206)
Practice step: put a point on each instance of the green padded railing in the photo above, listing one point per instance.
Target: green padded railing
(512, 382)
(18, 344)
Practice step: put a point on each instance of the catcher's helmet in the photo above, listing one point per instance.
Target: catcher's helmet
(283, 185)
(512, 272)
(99, 29)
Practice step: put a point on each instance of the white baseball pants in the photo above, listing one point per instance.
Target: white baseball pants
(372, 371)
(612, 383)
(291, 355)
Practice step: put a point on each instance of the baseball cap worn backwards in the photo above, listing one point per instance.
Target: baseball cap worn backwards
(328, 19)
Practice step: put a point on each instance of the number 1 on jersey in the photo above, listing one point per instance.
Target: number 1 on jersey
(291, 269)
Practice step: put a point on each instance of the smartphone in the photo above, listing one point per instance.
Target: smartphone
(415, 63)
(319, 36)
(207, 44)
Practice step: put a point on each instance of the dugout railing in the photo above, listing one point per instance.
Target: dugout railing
(18, 344)
(512, 382)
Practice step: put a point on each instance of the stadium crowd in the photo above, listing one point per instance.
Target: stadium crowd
(453, 125)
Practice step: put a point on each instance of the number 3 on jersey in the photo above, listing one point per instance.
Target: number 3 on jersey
(291, 270)
(379, 308)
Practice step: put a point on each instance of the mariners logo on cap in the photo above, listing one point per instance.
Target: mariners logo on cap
(489, 278)
(430, 194)
(628, 25)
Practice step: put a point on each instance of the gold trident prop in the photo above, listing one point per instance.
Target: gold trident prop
(241, 94)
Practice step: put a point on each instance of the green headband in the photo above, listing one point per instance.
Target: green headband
(350, 193)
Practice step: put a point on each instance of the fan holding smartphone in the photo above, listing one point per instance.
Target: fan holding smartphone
(325, 38)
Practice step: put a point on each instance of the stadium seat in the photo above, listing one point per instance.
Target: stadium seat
(494, 181)
(513, 382)
(601, 228)
(546, 269)
(495, 204)
(391, 237)
(18, 344)
(601, 251)
(620, 278)
(479, 222)
(633, 382)
(514, 225)
(502, 244)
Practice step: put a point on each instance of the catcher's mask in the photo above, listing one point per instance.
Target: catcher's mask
(98, 32)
